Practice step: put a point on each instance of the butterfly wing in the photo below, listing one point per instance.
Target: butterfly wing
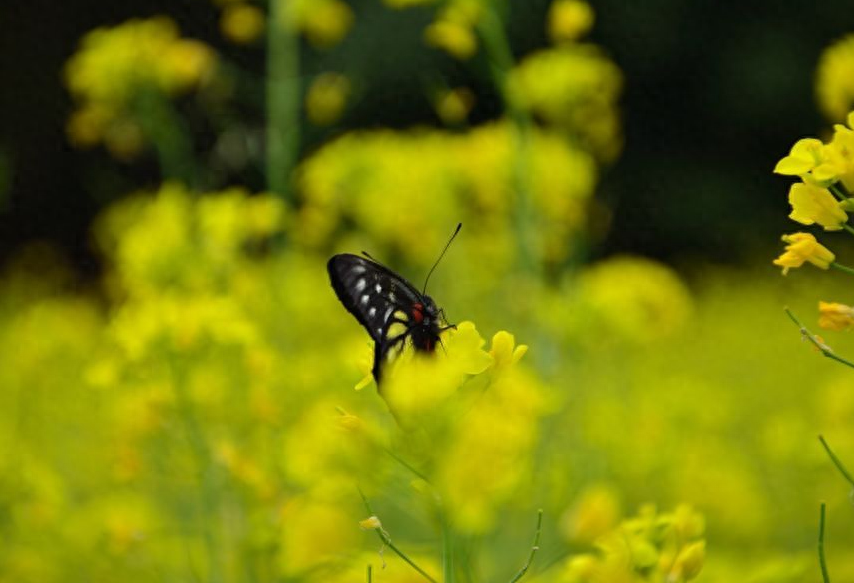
(378, 298)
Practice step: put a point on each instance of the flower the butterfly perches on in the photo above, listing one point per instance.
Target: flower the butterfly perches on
(390, 308)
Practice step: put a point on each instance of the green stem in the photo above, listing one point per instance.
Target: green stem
(387, 542)
(836, 461)
(370, 573)
(843, 268)
(534, 548)
(448, 573)
(825, 577)
(202, 454)
(283, 101)
(501, 62)
(848, 228)
(837, 192)
(169, 135)
(823, 348)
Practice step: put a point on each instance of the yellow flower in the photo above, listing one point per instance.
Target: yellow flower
(371, 523)
(504, 352)
(242, 23)
(805, 155)
(812, 204)
(802, 247)
(453, 37)
(453, 105)
(690, 561)
(324, 22)
(326, 98)
(833, 316)
(569, 19)
(835, 79)
(596, 512)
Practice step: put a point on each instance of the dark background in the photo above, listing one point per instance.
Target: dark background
(714, 95)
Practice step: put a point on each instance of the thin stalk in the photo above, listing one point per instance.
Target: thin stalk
(283, 101)
(824, 575)
(836, 461)
(169, 135)
(386, 540)
(448, 572)
(821, 346)
(839, 266)
(370, 573)
(209, 486)
(501, 62)
(534, 548)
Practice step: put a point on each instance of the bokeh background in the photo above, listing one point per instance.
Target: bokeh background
(177, 391)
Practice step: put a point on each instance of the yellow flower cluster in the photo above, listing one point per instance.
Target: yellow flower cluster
(648, 547)
(822, 197)
(399, 187)
(576, 88)
(113, 65)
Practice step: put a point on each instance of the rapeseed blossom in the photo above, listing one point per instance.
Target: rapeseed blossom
(576, 88)
(801, 248)
(568, 20)
(114, 66)
(834, 83)
(650, 546)
(812, 204)
(323, 22)
(242, 22)
(835, 316)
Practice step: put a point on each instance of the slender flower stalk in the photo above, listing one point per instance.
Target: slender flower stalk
(821, 561)
(534, 548)
(836, 461)
(497, 46)
(283, 102)
(812, 339)
(386, 540)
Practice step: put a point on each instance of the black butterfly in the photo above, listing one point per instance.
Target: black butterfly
(390, 308)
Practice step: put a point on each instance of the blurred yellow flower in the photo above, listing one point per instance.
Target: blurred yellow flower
(326, 98)
(113, 65)
(632, 298)
(457, 39)
(576, 88)
(643, 548)
(371, 523)
(453, 105)
(323, 22)
(812, 204)
(834, 81)
(594, 513)
(803, 247)
(569, 19)
(690, 561)
(242, 23)
(834, 316)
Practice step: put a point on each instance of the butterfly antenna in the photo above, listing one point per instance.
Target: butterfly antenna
(442, 254)
(369, 256)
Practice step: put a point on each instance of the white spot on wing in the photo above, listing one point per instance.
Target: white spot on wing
(379, 288)
(358, 268)
(388, 313)
(360, 285)
(372, 312)
(392, 297)
(364, 299)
